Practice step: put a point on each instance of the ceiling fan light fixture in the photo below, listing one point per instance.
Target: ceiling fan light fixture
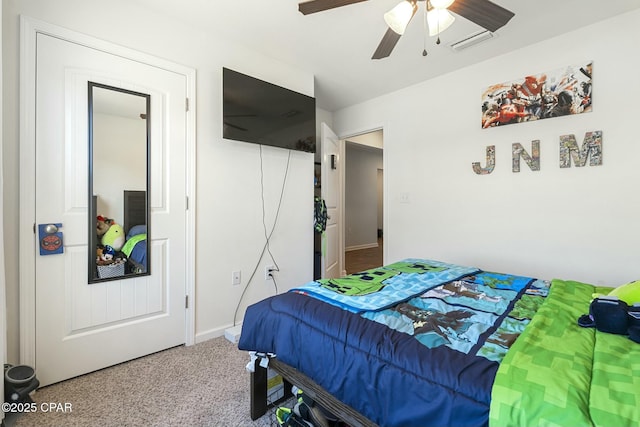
(398, 18)
(439, 20)
(441, 4)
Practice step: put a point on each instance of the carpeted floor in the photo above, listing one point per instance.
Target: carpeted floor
(202, 385)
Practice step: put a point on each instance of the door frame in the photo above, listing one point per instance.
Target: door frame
(343, 138)
(29, 29)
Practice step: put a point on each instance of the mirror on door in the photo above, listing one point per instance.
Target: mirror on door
(118, 183)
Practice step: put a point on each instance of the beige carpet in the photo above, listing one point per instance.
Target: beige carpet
(202, 385)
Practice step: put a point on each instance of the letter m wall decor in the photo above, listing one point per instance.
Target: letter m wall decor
(591, 148)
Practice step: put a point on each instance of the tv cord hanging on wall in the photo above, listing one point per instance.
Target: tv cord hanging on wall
(264, 224)
(265, 247)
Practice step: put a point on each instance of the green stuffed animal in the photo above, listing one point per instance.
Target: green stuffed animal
(629, 293)
(114, 237)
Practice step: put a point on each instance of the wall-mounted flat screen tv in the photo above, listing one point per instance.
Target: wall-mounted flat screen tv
(264, 113)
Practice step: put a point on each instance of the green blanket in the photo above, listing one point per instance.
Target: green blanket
(559, 374)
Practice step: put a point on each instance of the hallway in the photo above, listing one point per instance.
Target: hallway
(363, 259)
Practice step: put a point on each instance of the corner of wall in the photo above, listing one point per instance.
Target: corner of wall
(3, 304)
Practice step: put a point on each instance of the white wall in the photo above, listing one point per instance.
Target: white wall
(119, 160)
(576, 223)
(229, 228)
(361, 196)
(372, 139)
(3, 304)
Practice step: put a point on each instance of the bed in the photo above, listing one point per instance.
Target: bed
(426, 343)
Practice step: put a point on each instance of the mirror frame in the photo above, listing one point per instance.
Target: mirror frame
(92, 237)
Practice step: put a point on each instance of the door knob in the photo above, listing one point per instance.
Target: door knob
(50, 228)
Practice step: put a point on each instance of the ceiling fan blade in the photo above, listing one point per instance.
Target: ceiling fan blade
(314, 6)
(388, 42)
(390, 39)
(482, 12)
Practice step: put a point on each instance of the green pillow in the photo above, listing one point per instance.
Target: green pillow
(629, 293)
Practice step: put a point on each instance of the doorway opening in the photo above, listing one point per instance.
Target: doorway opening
(364, 201)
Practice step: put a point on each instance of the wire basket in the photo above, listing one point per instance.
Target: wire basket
(110, 270)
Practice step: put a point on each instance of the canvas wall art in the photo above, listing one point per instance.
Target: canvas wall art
(553, 94)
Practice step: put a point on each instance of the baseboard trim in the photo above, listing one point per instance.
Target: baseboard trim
(212, 333)
(358, 247)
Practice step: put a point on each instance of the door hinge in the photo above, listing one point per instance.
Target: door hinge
(186, 198)
(186, 104)
(34, 228)
(186, 301)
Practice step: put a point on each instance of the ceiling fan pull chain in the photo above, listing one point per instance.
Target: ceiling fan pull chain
(438, 40)
(424, 32)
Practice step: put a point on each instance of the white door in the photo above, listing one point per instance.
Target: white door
(81, 327)
(331, 186)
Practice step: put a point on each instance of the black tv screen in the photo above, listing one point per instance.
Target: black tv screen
(263, 113)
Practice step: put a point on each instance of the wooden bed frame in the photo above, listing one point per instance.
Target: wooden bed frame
(259, 403)
(135, 209)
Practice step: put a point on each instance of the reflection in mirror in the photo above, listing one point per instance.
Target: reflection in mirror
(118, 183)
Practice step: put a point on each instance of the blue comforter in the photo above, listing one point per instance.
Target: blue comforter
(418, 358)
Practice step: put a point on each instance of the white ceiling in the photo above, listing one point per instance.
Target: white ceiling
(336, 45)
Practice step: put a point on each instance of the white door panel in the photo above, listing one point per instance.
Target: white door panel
(331, 193)
(80, 327)
(333, 249)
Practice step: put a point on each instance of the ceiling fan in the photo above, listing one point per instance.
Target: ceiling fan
(482, 12)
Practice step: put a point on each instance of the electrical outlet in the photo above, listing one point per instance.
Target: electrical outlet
(235, 278)
(268, 271)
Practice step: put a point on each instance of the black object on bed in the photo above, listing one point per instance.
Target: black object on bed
(135, 226)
